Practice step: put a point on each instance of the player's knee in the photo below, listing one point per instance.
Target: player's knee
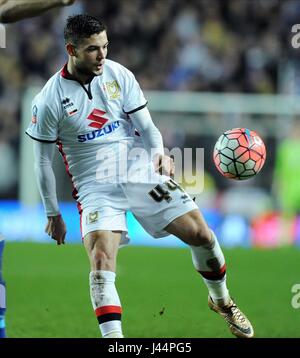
(101, 259)
(199, 236)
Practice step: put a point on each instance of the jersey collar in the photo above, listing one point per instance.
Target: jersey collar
(66, 74)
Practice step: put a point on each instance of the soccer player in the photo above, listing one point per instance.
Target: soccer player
(94, 110)
(14, 10)
(11, 11)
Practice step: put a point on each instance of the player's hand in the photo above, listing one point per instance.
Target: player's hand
(164, 165)
(56, 229)
(67, 2)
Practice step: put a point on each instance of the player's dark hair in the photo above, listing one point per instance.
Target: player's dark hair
(79, 27)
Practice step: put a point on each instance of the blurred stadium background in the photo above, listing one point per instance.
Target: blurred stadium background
(206, 66)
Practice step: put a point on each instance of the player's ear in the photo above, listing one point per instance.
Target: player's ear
(71, 49)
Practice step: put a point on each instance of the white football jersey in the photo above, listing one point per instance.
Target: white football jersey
(88, 123)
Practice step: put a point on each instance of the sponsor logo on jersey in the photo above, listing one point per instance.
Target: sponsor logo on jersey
(99, 133)
(113, 89)
(68, 106)
(34, 114)
(97, 119)
(66, 102)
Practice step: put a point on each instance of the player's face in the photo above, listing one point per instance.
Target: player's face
(91, 53)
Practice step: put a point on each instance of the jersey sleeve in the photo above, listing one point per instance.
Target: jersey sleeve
(44, 122)
(134, 99)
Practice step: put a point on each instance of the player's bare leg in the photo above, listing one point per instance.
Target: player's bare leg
(102, 249)
(209, 261)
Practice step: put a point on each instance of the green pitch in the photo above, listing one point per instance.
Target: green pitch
(161, 294)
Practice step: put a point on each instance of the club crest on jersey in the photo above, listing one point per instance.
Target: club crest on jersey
(93, 217)
(113, 89)
(68, 106)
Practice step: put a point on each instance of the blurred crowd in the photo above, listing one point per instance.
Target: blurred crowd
(192, 45)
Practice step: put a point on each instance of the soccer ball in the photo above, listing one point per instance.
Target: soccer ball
(239, 154)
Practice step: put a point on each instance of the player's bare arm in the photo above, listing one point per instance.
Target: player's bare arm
(15, 10)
